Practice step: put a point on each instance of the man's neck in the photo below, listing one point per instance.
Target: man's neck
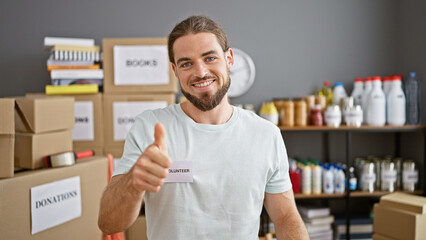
(218, 115)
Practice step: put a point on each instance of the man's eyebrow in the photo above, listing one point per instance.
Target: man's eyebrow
(209, 52)
(203, 55)
(182, 60)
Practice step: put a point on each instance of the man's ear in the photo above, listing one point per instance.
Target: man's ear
(174, 69)
(229, 56)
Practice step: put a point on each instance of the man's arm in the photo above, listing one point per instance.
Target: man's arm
(281, 207)
(122, 199)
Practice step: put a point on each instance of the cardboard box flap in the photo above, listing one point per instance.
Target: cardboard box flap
(7, 123)
(404, 201)
(37, 114)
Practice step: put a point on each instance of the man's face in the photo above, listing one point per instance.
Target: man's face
(202, 69)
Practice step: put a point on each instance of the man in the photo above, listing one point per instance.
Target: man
(231, 161)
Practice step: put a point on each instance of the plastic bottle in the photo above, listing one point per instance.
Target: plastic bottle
(339, 180)
(376, 109)
(387, 84)
(338, 93)
(326, 92)
(269, 112)
(294, 176)
(367, 88)
(316, 177)
(306, 178)
(396, 104)
(328, 183)
(357, 91)
(353, 182)
(413, 101)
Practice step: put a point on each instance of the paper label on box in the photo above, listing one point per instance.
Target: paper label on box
(55, 203)
(141, 65)
(84, 129)
(124, 114)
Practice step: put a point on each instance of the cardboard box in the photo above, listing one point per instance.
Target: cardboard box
(30, 149)
(108, 65)
(399, 224)
(120, 112)
(39, 114)
(7, 137)
(381, 237)
(88, 128)
(15, 207)
(404, 201)
(138, 230)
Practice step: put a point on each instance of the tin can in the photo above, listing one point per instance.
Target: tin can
(377, 169)
(368, 177)
(410, 176)
(346, 103)
(388, 176)
(398, 166)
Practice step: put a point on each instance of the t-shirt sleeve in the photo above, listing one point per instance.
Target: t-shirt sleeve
(280, 180)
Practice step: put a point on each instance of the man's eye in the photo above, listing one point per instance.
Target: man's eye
(209, 59)
(185, 65)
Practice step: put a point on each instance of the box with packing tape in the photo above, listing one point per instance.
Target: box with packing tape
(7, 137)
(40, 114)
(88, 115)
(400, 216)
(120, 112)
(137, 65)
(56, 203)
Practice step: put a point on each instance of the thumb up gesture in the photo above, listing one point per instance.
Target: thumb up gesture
(150, 170)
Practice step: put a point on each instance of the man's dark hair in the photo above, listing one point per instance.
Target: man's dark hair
(193, 25)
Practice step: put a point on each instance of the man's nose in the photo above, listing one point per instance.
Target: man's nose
(200, 69)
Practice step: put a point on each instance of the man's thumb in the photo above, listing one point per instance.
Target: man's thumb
(160, 137)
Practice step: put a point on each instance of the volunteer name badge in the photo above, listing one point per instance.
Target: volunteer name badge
(141, 65)
(180, 172)
(55, 203)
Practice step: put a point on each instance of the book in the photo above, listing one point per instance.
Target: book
(319, 220)
(66, 82)
(55, 67)
(323, 235)
(77, 74)
(60, 47)
(52, 61)
(51, 41)
(72, 89)
(78, 53)
(313, 228)
(313, 211)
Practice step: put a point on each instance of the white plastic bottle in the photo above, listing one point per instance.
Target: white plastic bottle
(306, 178)
(316, 178)
(339, 181)
(396, 103)
(328, 183)
(387, 84)
(338, 93)
(368, 85)
(357, 91)
(376, 109)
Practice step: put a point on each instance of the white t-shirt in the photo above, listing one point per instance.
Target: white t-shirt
(233, 165)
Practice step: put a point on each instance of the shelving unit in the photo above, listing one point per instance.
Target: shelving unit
(348, 131)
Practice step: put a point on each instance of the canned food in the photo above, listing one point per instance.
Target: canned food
(388, 176)
(410, 176)
(368, 177)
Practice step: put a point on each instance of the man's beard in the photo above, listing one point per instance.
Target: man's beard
(207, 102)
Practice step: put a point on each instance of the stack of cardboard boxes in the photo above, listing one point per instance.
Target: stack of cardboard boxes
(38, 202)
(400, 216)
(137, 77)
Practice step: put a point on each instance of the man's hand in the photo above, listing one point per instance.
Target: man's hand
(150, 170)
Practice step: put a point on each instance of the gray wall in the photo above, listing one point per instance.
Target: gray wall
(295, 44)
